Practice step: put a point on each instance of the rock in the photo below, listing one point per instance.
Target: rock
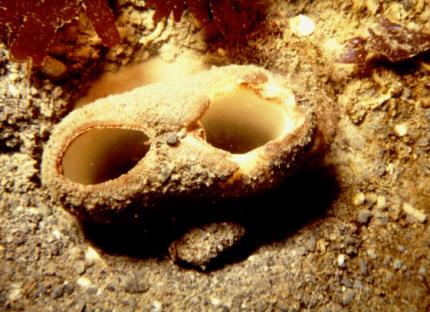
(110, 287)
(373, 6)
(371, 198)
(200, 246)
(310, 244)
(347, 297)
(156, 306)
(371, 253)
(215, 301)
(81, 306)
(359, 199)
(414, 213)
(172, 139)
(302, 25)
(381, 202)
(397, 264)
(131, 303)
(387, 260)
(68, 289)
(80, 267)
(58, 292)
(363, 216)
(363, 267)
(91, 257)
(15, 292)
(401, 129)
(75, 253)
(341, 260)
(422, 271)
(346, 282)
(134, 286)
(3, 298)
(84, 282)
(357, 284)
(425, 102)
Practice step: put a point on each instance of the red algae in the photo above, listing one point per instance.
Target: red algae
(103, 21)
(388, 41)
(230, 18)
(31, 25)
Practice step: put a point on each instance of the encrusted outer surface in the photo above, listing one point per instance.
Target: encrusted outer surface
(189, 170)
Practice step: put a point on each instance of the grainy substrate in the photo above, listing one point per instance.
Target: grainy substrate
(351, 234)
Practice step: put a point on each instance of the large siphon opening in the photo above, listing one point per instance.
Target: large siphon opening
(99, 155)
(242, 121)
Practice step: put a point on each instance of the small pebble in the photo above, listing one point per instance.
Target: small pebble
(371, 253)
(81, 306)
(215, 301)
(422, 271)
(401, 248)
(425, 102)
(68, 288)
(401, 129)
(58, 292)
(373, 6)
(381, 202)
(202, 245)
(357, 284)
(172, 139)
(111, 287)
(358, 199)
(13, 91)
(414, 213)
(310, 244)
(75, 253)
(182, 133)
(372, 198)
(299, 251)
(91, 257)
(407, 93)
(347, 297)
(15, 292)
(133, 286)
(363, 216)
(302, 26)
(322, 245)
(165, 173)
(397, 264)
(382, 219)
(131, 302)
(80, 267)
(84, 282)
(387, 260)
(156, 306)
(341, 260)
(346, 282)
(363, 267)
(91, 291)
(56, 233)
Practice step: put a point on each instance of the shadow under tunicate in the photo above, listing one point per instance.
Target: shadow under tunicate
(272, 216)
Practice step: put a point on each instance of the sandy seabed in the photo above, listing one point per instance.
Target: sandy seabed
(349, 233)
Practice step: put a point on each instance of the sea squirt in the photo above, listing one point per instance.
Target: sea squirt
(228, 132)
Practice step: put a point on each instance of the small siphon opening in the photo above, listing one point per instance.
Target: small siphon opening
(100, 155)
(242, 121)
